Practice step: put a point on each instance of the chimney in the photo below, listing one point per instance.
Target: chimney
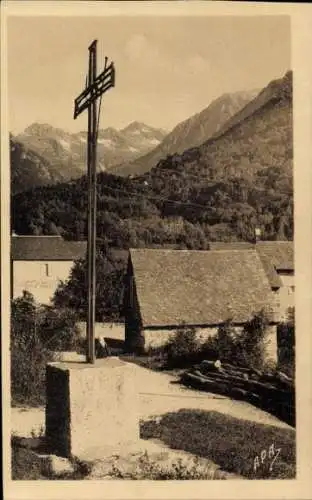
(257, 234)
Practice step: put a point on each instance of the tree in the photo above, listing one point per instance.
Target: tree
(72, 294)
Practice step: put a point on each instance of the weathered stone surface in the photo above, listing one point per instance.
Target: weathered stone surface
(64, 356)
(56, 466)
(90, 407)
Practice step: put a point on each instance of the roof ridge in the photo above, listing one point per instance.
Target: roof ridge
(190, 250)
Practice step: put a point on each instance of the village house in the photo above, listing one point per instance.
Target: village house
(201, 289)
(277, 259)
(39, 263)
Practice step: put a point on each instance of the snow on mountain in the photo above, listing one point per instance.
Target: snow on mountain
(67, 152)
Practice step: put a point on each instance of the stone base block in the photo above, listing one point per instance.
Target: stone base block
(90, 406)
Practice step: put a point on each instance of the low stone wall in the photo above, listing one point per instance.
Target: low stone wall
(158, 338)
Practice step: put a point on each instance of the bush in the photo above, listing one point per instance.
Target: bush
(35, 333)
(58, 329)
(286, 344)
(225, 342)
(183, 348)
(176, 470)
(251, 344)
(246, 348)
(29, 356)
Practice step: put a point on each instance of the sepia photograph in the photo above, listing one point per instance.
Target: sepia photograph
(148, 247)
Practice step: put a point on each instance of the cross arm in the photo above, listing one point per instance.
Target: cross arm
(103, 82)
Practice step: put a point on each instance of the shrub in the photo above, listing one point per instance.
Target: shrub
(58, 329)
(176, 470)
(225, 342)
(246, 348)
(29, 356)
(182, 348)
(36, 332)
(286, 344)
(251, 343)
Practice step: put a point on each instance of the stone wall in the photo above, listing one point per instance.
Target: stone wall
(158, 338)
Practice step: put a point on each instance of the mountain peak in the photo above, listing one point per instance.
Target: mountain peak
(190, 133)
(133, 126)
(41, 129)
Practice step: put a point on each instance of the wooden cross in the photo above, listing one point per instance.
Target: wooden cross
(95, 88)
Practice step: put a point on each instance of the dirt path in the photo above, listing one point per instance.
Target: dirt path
(159, 393)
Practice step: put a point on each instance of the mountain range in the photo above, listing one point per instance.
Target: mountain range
(43, 154)
(238, 179)
(191, 132)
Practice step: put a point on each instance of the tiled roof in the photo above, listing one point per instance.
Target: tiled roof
(46, 248)
(199, 287)
(275, 255)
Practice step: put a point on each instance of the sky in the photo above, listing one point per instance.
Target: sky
(167, 68)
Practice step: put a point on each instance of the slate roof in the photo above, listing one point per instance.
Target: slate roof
(275, 256)
(199, 287)
(46, 248)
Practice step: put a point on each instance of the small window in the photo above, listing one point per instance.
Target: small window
(47, 270)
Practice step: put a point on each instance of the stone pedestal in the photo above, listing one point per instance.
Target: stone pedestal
(90, 407)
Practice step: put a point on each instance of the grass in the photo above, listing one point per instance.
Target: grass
(233, 444)
(147, 469)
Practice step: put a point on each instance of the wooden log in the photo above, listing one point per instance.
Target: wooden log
(238, 393)
(209, 385)
(208, 365)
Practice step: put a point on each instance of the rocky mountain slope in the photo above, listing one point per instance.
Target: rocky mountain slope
(258, 137)
(62, 156)
(29, 169)
(191, 132)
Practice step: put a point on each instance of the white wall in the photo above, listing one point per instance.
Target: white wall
(32, 276)
(109, 330)
(286, 294)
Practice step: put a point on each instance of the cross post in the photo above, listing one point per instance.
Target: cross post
(95, 87)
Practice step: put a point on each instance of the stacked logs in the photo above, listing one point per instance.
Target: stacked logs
(274, 392)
